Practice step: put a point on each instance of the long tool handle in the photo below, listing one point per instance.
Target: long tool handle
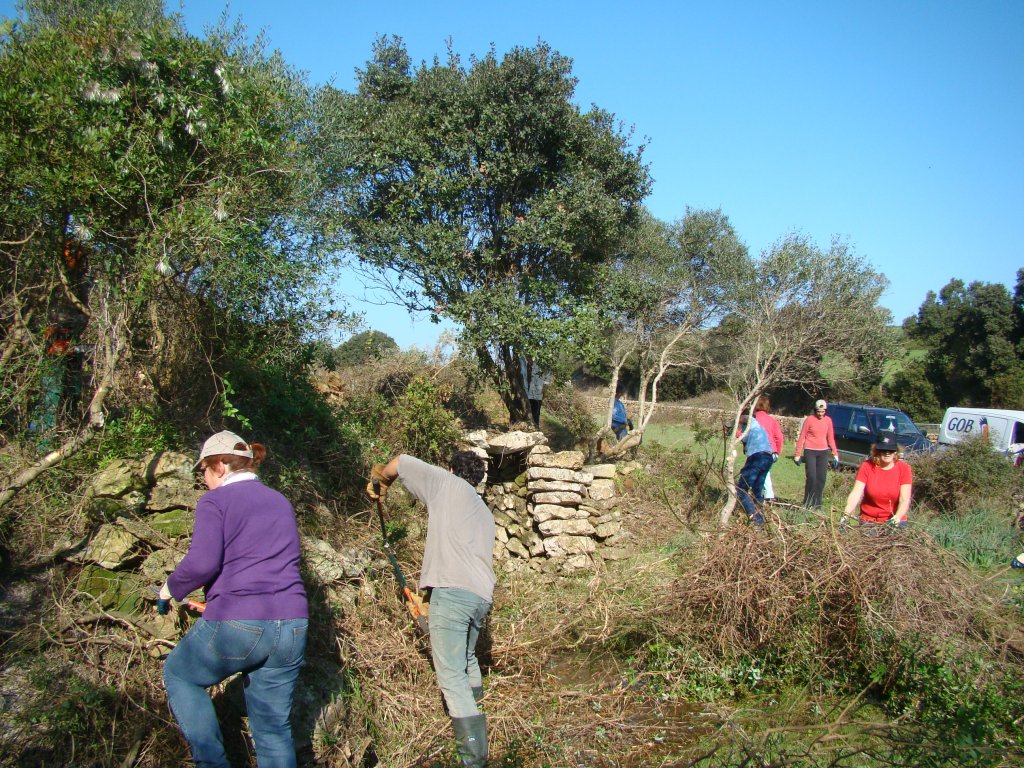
(412, 603)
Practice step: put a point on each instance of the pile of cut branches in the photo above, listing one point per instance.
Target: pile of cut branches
(830, 596)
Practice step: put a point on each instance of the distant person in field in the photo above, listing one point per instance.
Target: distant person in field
(817, 440)
(881, 491)
(621, 423)
(763, 414)
(534, 380)
(750, 484)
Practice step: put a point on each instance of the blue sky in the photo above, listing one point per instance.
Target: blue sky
(897, 126)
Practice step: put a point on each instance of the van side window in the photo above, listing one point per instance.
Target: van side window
(840, 417)
(1018, 432)
(860, 419)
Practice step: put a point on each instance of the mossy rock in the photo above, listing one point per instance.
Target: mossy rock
(112, 546)
(113, 591)
(173, 523)
(118, 478)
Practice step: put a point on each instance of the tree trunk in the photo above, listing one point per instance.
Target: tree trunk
(505, 376)
(730, 486)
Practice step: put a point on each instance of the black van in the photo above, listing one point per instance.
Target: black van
(857, 428)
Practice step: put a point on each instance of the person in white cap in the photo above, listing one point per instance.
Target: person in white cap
(817, 440)
(245, 553)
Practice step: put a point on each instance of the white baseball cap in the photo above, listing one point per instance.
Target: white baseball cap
(820, 404)
(223, 443)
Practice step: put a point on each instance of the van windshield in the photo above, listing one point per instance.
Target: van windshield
(899, 423)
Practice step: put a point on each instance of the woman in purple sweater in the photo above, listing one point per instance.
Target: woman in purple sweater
(245, 553)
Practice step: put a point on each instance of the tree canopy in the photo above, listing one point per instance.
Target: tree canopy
(487, 193)
(973, 336)
(364, 347)
(661, 295)
(152, 190)
(800, 315)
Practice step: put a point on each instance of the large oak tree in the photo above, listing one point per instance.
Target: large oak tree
(485, 195)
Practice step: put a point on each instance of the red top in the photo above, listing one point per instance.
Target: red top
(882, 490)
(816, 435)
(771, 426)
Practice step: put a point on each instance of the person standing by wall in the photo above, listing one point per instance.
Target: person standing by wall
(245, 553)
(763, 414)
(458, 572)
(816, 441)
(621, 423)
(534, 380)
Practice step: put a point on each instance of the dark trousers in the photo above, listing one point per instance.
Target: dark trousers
(750, 485)
(816, 467)
(535, 410)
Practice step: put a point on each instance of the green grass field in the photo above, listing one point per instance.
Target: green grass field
(787, 477)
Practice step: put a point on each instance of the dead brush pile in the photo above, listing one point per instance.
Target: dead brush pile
(537, 712)
(835, 599)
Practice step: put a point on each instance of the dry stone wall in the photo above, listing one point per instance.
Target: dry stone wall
(553, 513)
(146, 509)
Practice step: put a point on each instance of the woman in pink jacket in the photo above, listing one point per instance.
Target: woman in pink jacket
(817, 440)
(763, 414)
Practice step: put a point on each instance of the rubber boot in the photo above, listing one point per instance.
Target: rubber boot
(471, 737)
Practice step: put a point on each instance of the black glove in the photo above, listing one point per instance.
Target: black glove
(835, 462)
(797, 460)
(775, 457)
(629, 424)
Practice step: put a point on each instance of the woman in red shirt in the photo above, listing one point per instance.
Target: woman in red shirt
(882, 489)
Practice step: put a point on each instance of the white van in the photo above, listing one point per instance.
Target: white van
(1005, 429)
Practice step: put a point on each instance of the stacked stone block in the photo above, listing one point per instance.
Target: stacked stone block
(555, 516)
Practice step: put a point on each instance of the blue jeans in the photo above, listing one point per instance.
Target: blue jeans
(269, 653)
(456, 618)
(750, 485)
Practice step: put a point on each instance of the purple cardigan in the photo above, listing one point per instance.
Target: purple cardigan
(245, 552)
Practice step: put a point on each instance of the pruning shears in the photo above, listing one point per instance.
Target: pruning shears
(417, 608)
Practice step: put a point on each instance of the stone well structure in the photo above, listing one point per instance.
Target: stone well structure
(554, 514)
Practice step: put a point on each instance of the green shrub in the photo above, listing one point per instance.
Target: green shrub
(980, 535)
(958, 707)
(964, 476)
(141, 431)
(419, 424)
(564, 404)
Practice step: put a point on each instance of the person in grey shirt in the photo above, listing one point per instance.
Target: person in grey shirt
(458, 572)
